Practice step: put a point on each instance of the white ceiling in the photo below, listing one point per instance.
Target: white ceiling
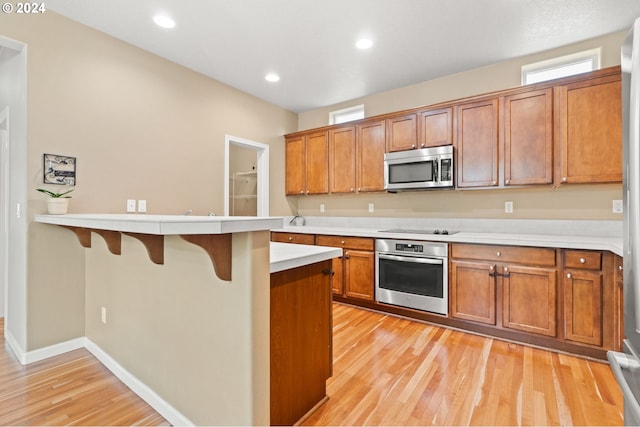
(310, 43)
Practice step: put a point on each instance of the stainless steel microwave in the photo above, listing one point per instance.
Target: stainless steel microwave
(422, 169)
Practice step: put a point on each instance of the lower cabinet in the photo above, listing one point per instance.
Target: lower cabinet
(509, 287)
(354, 275)
(473, 291)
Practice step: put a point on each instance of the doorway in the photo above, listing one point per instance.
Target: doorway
(4, 217)
(246, 177)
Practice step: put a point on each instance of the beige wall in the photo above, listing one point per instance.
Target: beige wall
(140, 127)
(568, 202)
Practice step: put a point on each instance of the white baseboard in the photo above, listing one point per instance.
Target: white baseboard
(138, 387)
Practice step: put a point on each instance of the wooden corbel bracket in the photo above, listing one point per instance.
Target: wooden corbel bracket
(154, 244)
(218, 246)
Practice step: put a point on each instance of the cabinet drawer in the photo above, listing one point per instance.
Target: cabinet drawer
(507, 254)
(299, 238)
(588, 260)
(361, 243)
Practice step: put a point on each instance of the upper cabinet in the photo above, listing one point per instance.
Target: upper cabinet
(550, 133)
(356, 156)
(589, 131)
(306, 163)
(477, 144)
(528, 138)
(402, 133)
(435, 127)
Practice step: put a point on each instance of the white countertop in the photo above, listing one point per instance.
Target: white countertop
(613, 244)
(163, 224)
(285, 256)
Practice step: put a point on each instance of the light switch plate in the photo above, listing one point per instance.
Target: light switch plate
(142, 205)
(131, 205)
(322, 208)
(371, 207)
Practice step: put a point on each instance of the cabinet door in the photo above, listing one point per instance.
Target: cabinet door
(477, 144)
(529, 299)
(583, 307)
(317, 163)
(295, 165)
(342, 159)
(590, 131)
(528, 138)
(370, 156)
(435, 127)
(359, 274)
(402, 133)
(337, 281)
(473, 291)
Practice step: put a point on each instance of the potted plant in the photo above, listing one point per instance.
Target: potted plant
(58, 203)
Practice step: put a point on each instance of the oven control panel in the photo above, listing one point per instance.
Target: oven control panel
(409, 247)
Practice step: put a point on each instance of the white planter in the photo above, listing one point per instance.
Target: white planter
(58, 205)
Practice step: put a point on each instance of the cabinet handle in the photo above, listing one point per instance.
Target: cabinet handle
(301, 191)
(498, 253)
(582, 260)
(328, 272)
(413, 145)
(569, 276)
(352, 189)
(492, 270)
(290, 238)
(494, 182)
(359, 189)
(505, 272)
(422, 145)
(619, 268)
(564, 179)
(307, 191)
(507, 182)
(342, 242)
(346, 255)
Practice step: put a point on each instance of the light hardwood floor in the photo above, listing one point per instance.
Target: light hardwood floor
(393, 371)
(70, 389)
(387, 371)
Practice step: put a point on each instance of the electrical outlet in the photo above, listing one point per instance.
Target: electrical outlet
(131, 205)
(617, 206)
(142, 205)
(103, 315)
(321, 207)
(371, 207)
(508, 207)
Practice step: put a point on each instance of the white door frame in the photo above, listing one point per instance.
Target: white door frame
(262, 189)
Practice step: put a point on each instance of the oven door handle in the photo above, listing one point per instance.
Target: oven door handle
(434, 261)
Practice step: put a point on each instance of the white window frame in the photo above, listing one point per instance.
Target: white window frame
(591, 55)
(335, 116)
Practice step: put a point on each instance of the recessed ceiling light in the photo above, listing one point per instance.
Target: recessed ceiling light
(164, 21)
(364, 44)
(272, 77)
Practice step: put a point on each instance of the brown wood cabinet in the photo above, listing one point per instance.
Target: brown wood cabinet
(528, 138)
(476, 144)
(300, 339)
(354, 276)
(589, 133)
(402, 132)
(356, 156)
(435, 127)
(307, 163)
(299, 238)
(583, 296)
(510, 287)
(473, 291)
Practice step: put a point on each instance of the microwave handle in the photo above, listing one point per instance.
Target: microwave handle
(436, 165)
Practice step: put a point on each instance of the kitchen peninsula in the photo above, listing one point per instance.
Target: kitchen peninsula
(183, 308)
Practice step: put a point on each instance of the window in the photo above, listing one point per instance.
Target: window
(346, 115)
(563, 66)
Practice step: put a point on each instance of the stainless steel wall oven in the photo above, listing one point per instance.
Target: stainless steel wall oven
(412, 274)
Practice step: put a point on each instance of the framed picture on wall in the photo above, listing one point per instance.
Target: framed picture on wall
(59, 170)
